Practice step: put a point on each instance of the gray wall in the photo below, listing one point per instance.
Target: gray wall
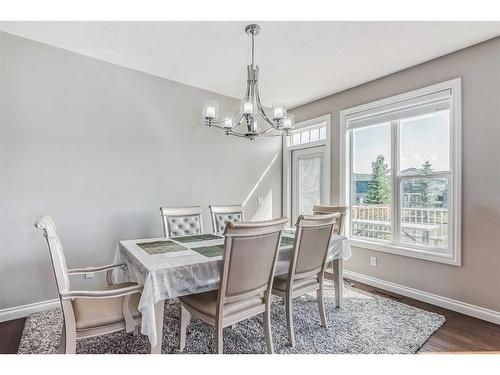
(100, 147)
(478, 280)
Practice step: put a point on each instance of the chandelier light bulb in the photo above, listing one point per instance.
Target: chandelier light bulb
(279, 111)
(228, 120)
(289, 122)
(247, 107)
(211, 110)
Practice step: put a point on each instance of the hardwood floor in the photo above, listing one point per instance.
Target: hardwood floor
(10, 335)
(460, 333)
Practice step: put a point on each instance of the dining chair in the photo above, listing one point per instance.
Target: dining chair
(340, 224)
(248, 263)
(221, 215)
(307, 265)
(339, 229)
(89, 313)
(181, 221)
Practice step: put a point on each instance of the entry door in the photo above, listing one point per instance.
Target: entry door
(309, 184)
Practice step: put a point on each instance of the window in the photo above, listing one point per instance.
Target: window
(312, 134)
(401, 173)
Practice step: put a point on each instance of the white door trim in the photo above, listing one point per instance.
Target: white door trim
(287, 160)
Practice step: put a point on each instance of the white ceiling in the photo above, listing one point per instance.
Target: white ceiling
(299, 61)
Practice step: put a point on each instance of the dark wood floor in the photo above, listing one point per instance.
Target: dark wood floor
(10, 335)
(460, 333)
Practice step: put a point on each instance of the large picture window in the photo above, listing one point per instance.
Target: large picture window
(401, 176)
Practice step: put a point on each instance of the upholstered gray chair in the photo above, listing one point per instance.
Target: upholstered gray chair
(181, 221)
(89, 313)
(307, 265)
(249, 260)
(342, 210)
(221, 215)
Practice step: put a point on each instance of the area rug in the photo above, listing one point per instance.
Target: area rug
(367, 323)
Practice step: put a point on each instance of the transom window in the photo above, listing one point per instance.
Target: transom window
(402, 173)
(310, 134)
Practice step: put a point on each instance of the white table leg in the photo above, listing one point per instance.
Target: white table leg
(338, 281)
(159, 311)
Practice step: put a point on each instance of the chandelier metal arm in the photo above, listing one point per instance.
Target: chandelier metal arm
(261, 108)
(252, 110)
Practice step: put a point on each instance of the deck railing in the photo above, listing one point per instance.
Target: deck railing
(428, 226)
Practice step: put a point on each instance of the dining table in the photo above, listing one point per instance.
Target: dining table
(172, 267)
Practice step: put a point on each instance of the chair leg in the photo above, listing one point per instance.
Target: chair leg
(289, 321)
(130, 323)
(185, 319)
(267, 329)
(61, 349)
(69, 342)
(219, 342)
(321, 306)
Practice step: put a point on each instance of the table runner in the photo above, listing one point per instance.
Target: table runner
(167, 275)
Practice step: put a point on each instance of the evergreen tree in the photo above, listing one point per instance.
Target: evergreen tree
(379, 187)
(431, 188)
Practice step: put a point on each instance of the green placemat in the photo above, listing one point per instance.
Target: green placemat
(161, 247)
(209, 251)
(197, 238)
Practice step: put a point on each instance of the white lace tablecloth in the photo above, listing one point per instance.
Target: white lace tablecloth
(174, 274)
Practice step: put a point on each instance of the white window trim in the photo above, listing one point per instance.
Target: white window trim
(455, 257)
(287, 160)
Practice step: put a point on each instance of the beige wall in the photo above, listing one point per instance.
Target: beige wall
(100, 148)
(477, 281)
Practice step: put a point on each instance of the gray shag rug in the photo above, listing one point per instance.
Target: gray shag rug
(367, 323)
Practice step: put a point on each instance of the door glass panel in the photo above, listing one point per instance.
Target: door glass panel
(309, 183)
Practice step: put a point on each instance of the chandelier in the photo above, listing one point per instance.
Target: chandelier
(253, 122)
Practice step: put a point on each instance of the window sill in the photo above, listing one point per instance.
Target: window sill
(450, 259)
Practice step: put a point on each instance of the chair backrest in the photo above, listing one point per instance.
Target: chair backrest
(310, 248)
(47, 226)
(341, 222)
(249, 260)
(181, 221)
(221, 215)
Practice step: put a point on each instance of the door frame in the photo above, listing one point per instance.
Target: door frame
(287, 160)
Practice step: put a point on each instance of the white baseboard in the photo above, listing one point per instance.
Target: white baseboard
(445, 302)
(448, 303)
(25, 310)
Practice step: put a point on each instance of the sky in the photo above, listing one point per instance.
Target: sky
(422, 138)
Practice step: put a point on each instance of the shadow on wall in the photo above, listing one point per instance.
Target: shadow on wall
(265, 209)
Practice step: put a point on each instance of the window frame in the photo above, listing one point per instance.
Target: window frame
(349, 115)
